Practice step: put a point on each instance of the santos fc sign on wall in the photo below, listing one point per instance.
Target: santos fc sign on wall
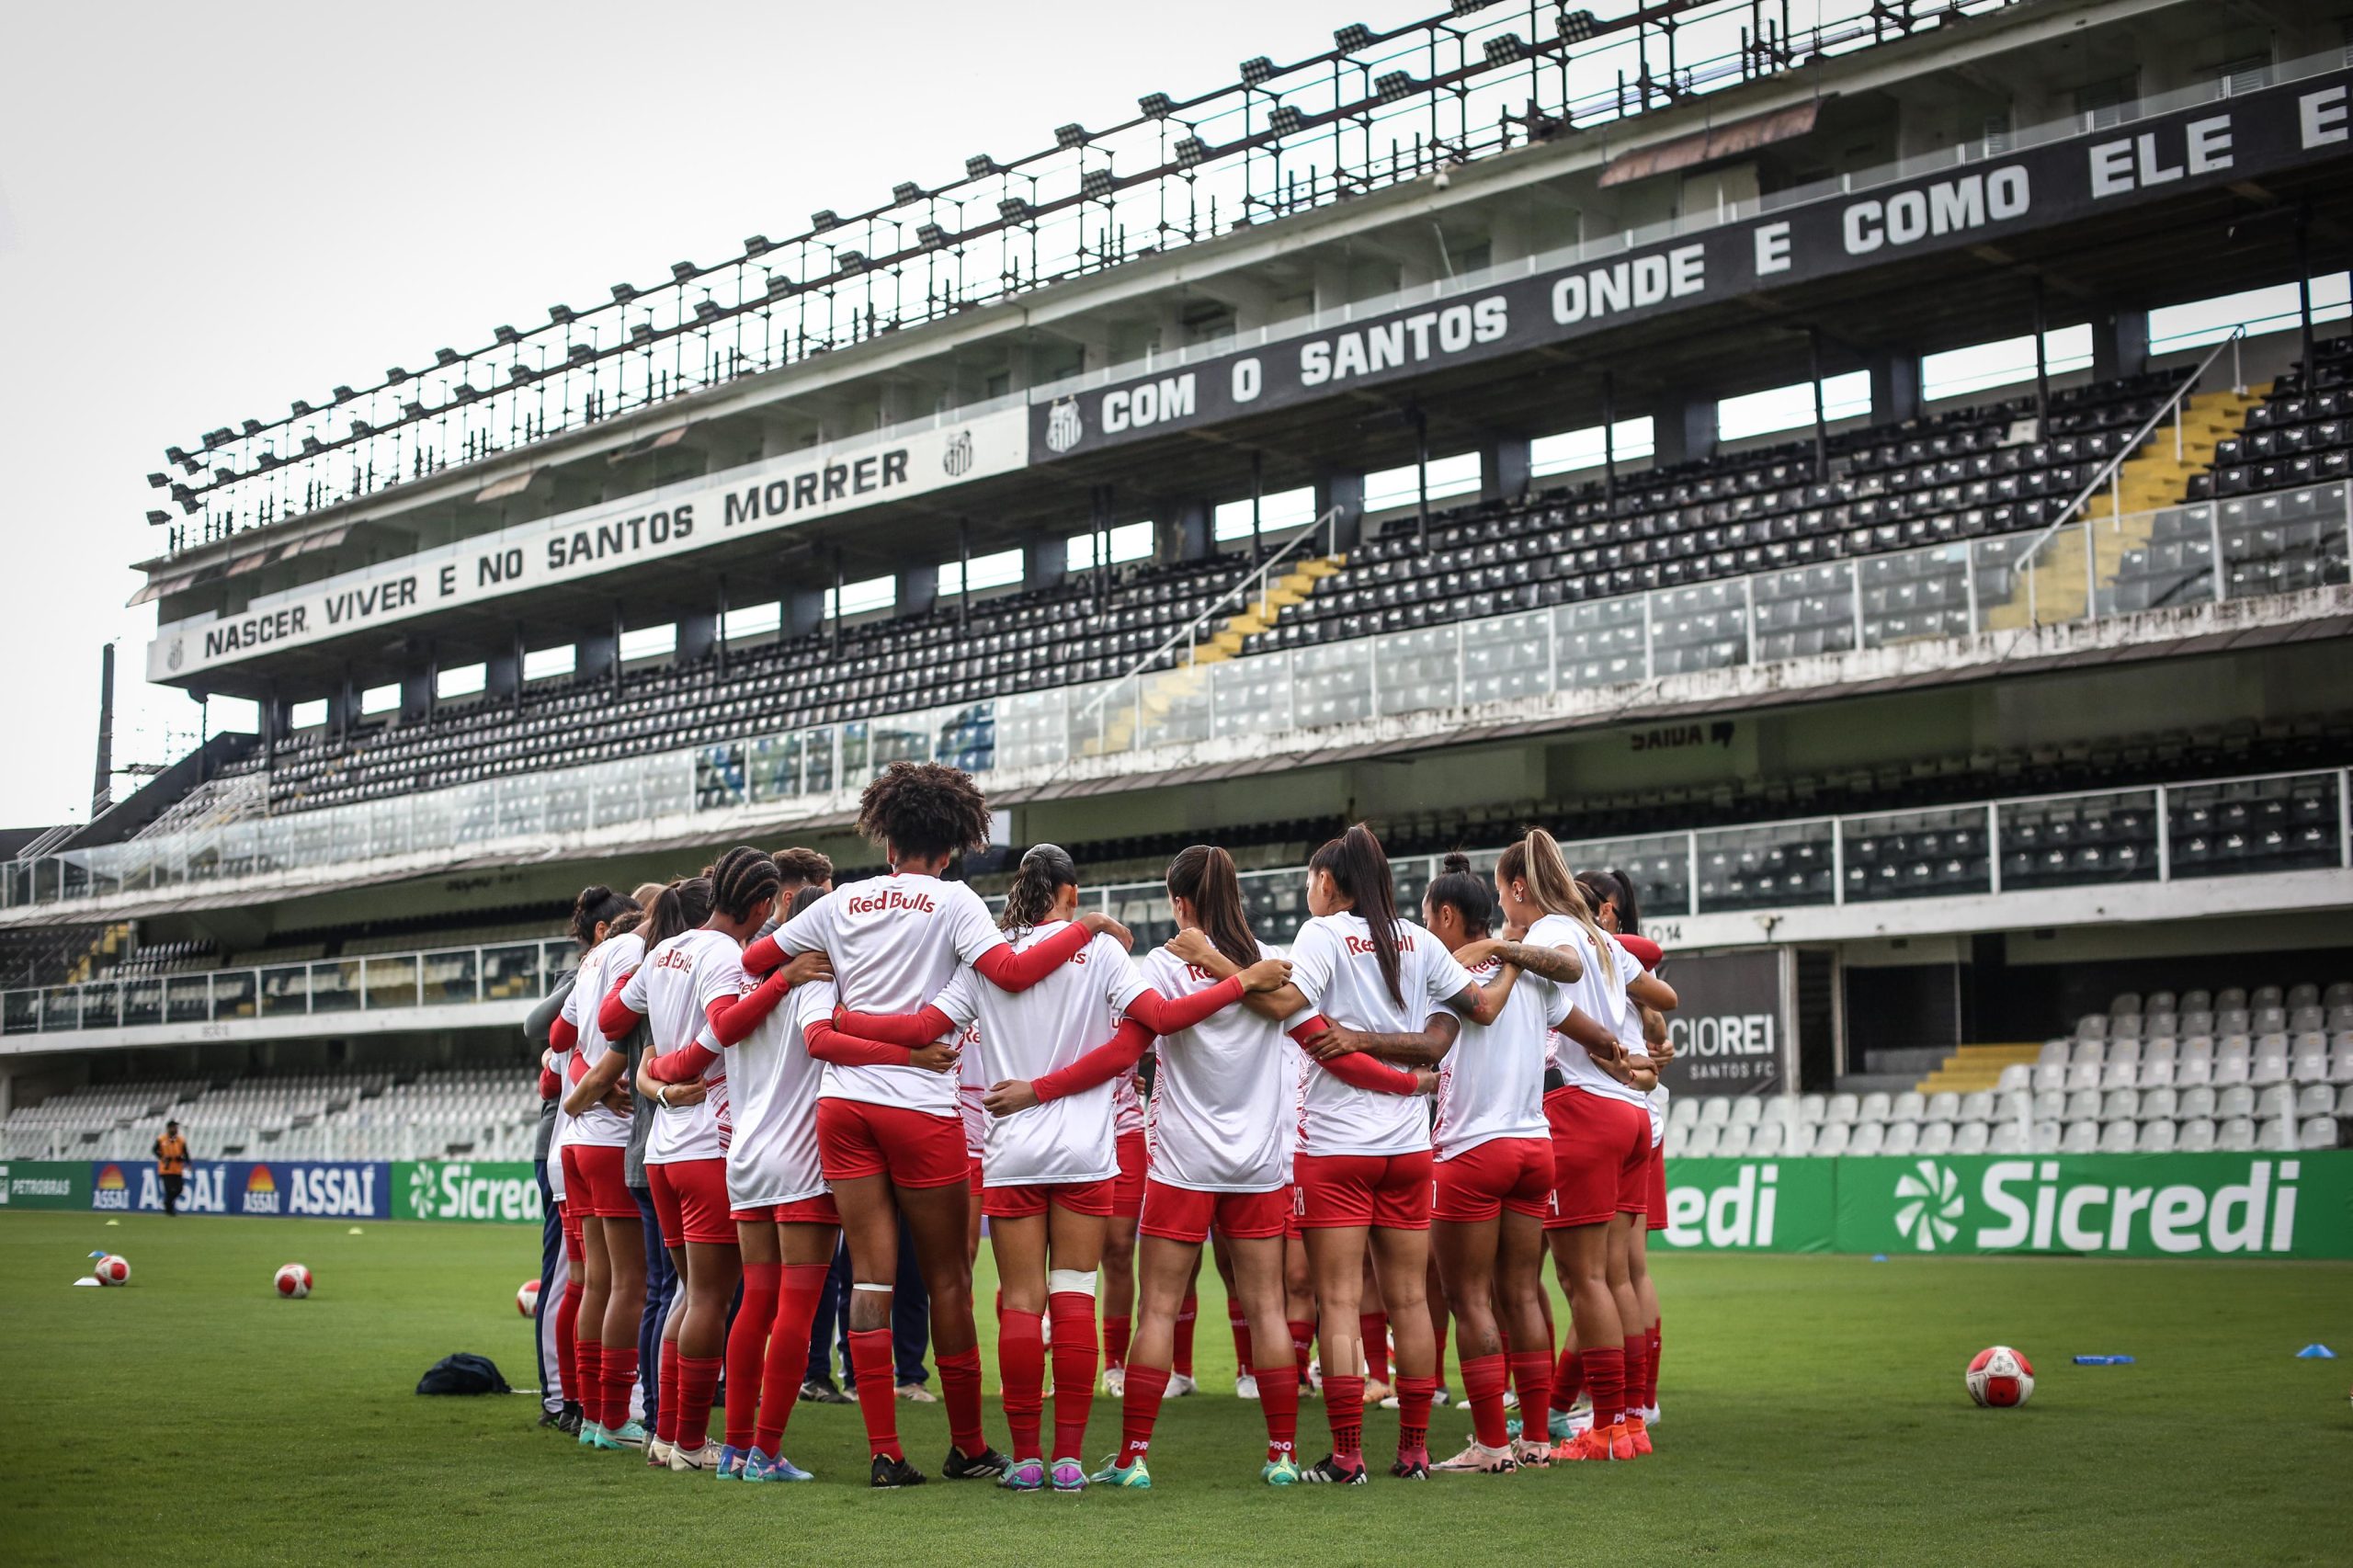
(1970, 202)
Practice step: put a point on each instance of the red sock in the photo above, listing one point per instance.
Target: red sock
(1414, 1397)
(1021, 1368)
(801, 1287)
(665, 1392)
(1568, 1378)
(1073, 1312)
(1483, 1384)
(1239, 1326)
(1605, 1373)
(1637, 1353)
(1278, 1396)
(1116, 1331)
(1302, 1347)
(1531, 1373)
(698, 1382)
(1650, 1365)
(567, 1348)
(1344, 1408)
(878, 1397)
(960, 1391)
(620, 1372)
(747, 1348)
(588, 1367)
(1373, 1328)
(1139, 1408)
(1187, 1309)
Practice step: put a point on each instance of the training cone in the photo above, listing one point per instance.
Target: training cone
(2315, 1353)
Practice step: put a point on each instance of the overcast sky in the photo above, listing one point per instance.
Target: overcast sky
(206, 211)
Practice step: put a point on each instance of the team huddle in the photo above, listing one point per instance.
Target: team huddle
(829, 1065)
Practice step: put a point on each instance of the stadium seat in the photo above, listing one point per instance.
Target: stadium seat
(1875, 1107)
(2090, 1031)
(1902, 1137)
(2194, 1068)
(1801, 1137)
(1835, 1138)
(2081, 1138)
(1683, 1111)
(2048, 1077)
(1732, 1143)
(1868, 1137)
(1976, 1105)
(1703, 1138)
(2157, 1072)
(2008, 1138)
(1715, 1111)
(1935, 1138)
(1844, 1109)
(2120, 1076)
(2083, 1105)
(2054, 1054)
(2235, 1136)
(2118, 1137)
(2317, 1133)
(2278, 1099)
(2196, 1136)
(1907, 1106)
(2158, 1105)
(2340, 1063)
(1767, 1139)
(1813, 1110)
(1943, 1106)
(2157, 1138)
(1972, 1138)
(2017, 1076)
(2277, 1135)
(1747, 1111)
(2121, 1105)
(2085, 1076)
(2238, 1101)
(2043, 1137)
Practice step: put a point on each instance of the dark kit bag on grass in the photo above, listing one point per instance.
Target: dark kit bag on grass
(463, 1373)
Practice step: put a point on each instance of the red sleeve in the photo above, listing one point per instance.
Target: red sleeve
(1106, 1061)
(764, 956)
(732, 1019)
(550, 1082)
(1163, 1017)
(1314, 1025)
(1646, 952)
(1363, 1072)
(1009, 970)
(682, 1065)
(613, 1016)
(910, 1029)
(562, 1035)
(827, 1044)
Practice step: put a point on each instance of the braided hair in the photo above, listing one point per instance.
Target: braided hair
(743, 883)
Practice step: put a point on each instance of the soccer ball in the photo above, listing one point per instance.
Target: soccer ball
(526, 1298)
(293, 1281)
(112, 1270)
(2000, 1377)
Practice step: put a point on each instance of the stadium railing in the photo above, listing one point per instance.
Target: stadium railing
(2161, 832)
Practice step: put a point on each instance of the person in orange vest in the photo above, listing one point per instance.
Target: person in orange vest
(171, 1164)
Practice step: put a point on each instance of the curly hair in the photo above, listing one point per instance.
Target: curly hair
(804, 867)
(923, 809)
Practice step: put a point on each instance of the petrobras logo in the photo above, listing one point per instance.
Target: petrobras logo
(330, 1192)
(1928, 1205)
(2030, 1204)
(109, 1190)
(260, 1196)
(461, 1191)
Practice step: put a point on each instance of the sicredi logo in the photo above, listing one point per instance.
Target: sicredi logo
(1740, 1213)
(1723, 1034)
(453, 1191)
(2035, 1209)
(1928, 1205)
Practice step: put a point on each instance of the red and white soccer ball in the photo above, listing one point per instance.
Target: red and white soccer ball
(111, 1269)
(526, 1298)
(2000, 1378)
(293, 1281)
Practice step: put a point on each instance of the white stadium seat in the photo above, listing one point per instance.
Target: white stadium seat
(2017, 1076)
(1935, 1138)
(2118, 1137)
(1834, 1139)
(1768, 1140)
(2157, 1138)
(1943, 1106)
(1843, 1108)
(1903, 1138)
(2317, 1133)
(1909, 1106)
(1814, 1108)
(1868, 1138)
(1733, 1141)
(1975, 1106)
(1747, 1111)
(2235, 1136)
(2277, 1135)
(2196, 1136)
(1972, 1138)
(2081, 1138)
(1875, 1107)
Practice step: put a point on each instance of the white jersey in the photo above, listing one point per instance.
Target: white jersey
(562, 1062)
(1600, 995)
(675, 988)
(969, 1090)
(1336, 966)
(1127, 1106)
(599, 1127)
(1656, 1100)
(1027, 1036)
(1224, 1107)
(893, 942)
(1491, 1085)
(772, 1084)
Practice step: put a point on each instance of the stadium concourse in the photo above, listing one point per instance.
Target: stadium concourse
(1823, 545)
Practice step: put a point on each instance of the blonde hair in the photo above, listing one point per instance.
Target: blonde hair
(1537, 861)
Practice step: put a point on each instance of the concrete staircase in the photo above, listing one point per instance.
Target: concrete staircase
(1973, 1067)
(1165, 690)
(2122, 516)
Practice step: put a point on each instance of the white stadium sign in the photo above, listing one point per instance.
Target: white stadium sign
(777, 492)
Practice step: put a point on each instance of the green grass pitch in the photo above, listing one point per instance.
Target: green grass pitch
(1814, 1414)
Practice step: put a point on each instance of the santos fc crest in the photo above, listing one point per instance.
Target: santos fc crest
(957, 460)
(1063, 426)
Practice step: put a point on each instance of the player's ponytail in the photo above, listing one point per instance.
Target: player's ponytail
(597, 905)
(1045, 870)
(1537, 862)
(1203, 876)
(1458, 888)
(678, 908)
(1613, 887)
(1358, 868)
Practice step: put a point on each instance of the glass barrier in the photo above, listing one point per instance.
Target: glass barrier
(2230, 548)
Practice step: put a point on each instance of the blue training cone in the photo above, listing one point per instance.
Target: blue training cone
(2315, 1353)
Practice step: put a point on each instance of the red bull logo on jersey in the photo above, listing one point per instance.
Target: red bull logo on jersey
(892, 901)
(1367, 947)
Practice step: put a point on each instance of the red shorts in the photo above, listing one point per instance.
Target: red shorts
(1127, 1190)
(1029, 1202)
(974, 1177)
(592, 1183)
(1502, 1173)
(690, 1198)
(1183, 1214)
(1601, 1156)
(572, 1241)
(913, 1148)
(817, 1210)
(1657, 1210)
(1389, 1190)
